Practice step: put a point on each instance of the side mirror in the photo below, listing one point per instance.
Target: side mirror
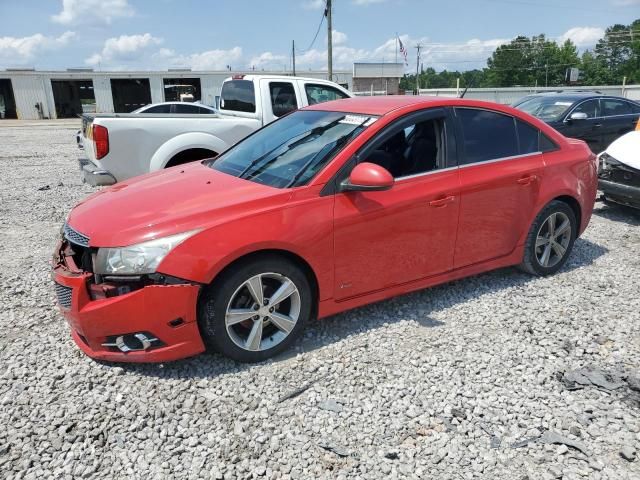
(578, 116)
(366, 177)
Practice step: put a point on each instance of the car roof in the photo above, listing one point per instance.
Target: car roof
(376, 105)
(567, 95)
(383, 105)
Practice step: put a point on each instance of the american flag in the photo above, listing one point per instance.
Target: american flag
(403, 51)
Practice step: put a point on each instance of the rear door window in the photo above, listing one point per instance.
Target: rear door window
(186, 108)
(158, 109)
(486, 135)
(283, 98)
(611, 107)
(238, 95)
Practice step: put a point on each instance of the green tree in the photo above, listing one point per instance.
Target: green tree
(511, 64)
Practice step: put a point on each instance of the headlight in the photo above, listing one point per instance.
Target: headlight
(137, 259)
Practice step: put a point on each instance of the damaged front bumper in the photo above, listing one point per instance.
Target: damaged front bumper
(618, 182)
(154, 322)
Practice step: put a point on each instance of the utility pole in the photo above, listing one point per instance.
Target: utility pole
(418, 46)
(293, 54)
(546, 74)
(327, 13)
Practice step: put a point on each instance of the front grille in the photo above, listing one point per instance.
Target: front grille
(64, 295)
(75, 237)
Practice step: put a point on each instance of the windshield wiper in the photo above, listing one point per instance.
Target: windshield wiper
(303, 138)
(339, 143)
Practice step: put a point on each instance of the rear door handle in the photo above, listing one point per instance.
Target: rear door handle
(527, 180)
(442, 202)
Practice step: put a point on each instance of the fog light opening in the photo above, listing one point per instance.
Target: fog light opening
(133, 342)
(176, 323)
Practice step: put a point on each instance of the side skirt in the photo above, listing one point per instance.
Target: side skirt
(331, 307)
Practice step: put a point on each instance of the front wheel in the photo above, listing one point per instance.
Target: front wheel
(255, 310)
(550, 239)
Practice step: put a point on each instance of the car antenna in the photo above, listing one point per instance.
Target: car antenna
(464, 92)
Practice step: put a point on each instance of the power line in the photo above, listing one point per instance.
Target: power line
(315, 37)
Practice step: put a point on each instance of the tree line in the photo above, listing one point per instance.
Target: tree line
(539, 61)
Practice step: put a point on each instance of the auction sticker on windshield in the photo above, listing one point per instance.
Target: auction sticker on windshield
(358, 120)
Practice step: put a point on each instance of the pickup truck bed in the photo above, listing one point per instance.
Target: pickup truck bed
(118, 146)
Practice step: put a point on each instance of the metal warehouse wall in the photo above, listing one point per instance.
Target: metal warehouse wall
(33, 87)
(30, 90)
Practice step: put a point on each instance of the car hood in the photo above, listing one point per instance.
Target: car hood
(626, 149)
(168, 202)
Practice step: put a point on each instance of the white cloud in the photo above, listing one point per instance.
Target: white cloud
(125, 48)
(19, 51)
(143, 51)
(268, 60)
(314, 4)
(470, 54)
(92, 11)
(339, 38)
(210, 60)
(583, 36)
(367, 2)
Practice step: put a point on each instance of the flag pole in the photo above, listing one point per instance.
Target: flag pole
(396, 47)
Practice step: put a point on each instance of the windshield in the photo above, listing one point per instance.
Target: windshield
(290, 151)
(545, 108)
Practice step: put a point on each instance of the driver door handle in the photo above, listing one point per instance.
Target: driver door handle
(442, 202)
(527, 180)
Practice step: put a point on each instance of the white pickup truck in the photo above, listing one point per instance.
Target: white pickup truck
(119, 146)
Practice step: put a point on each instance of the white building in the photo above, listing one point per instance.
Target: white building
(31, 94)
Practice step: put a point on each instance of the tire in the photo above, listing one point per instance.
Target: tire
(230, 318)
(538, 248)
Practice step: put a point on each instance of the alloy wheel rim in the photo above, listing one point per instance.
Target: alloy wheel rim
(262, 311)
(552, 240)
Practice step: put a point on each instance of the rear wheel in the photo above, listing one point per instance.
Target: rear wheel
(255, 310)
(550, 239)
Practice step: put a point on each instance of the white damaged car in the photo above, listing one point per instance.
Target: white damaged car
(619, 170)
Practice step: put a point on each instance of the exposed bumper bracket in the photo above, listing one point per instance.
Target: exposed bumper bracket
(95, 176)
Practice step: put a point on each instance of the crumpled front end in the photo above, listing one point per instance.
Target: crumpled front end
(619, 182)
(144, 318)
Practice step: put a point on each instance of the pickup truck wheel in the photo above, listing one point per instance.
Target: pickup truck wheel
(255, 310)
(550, 239)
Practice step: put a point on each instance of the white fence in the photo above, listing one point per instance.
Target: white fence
(370, 93)
(509, 95)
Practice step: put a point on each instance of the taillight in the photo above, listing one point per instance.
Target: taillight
(100, 141)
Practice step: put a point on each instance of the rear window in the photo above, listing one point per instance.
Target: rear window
(238, 95)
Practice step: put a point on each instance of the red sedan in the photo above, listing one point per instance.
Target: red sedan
(329, 208)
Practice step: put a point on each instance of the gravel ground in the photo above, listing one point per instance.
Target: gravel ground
(441, 384)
